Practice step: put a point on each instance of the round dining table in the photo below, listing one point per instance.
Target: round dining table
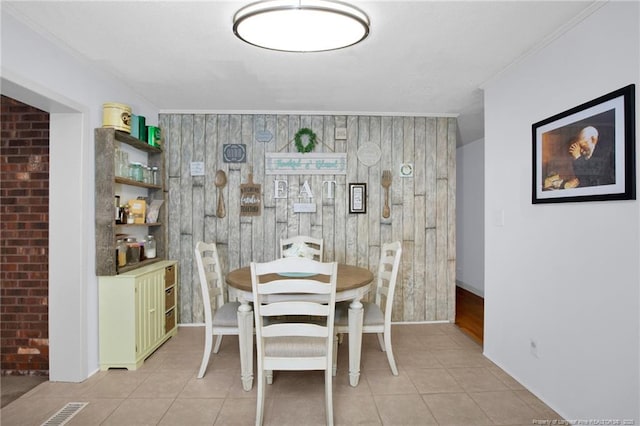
(353, 283)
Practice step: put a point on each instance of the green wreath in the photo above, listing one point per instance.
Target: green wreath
(312, 140)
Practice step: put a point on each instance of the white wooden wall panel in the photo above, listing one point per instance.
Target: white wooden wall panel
(422, 207)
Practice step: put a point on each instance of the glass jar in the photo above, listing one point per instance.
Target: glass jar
(121, 249)
(130, 217)
(117, 157)
(133, 250)
(117, 216)
(124, 212)
(124, 164)
(150, 247)
(154, 175)
(136, 172)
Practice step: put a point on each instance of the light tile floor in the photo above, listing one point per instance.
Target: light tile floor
(444, 380)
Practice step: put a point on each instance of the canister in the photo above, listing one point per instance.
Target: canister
(153, 136)
(135, 172)
(139, 127)
(133, 250)
(117, 116)
(121, 248)
(117, 208)
(150, 247)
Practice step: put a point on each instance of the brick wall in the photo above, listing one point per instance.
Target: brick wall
(24, 239)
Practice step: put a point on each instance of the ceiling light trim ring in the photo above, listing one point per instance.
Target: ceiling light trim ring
(345, 10)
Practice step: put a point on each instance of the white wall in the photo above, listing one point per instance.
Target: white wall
(565, 275)
(40, 73)
(470, 217)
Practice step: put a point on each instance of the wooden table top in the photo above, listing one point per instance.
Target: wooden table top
(349, 277)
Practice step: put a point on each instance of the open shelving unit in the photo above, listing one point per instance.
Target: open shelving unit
(106, 229)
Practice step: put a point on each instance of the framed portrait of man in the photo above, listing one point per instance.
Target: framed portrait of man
(586, 153)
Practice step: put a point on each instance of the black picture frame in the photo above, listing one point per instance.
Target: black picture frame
(357, 198)
(587, 153)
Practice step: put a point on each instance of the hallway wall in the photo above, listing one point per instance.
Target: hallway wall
(562, 301)
(470, 217)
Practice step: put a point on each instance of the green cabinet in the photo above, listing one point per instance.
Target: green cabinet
(137, 312)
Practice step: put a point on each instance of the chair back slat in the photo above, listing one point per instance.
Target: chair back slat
(385, 274)
(294, 308)
(292, 266)
(209, 270)
(295, 286)
(294, 330)
(383, 291)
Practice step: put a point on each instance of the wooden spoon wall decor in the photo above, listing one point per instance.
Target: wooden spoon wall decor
(386, 181)
(220, 182)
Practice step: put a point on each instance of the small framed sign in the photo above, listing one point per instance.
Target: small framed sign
(250, 198)
(234, 153)
(293, 163)
(357, 198)
(406, 170)
(197, 168)
(304, 207)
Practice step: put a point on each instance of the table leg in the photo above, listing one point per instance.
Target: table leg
(245, 338)
(355, 341)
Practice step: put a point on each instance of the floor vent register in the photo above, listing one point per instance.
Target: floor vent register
(65, 414)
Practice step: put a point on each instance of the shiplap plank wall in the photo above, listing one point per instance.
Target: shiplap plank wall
(422, 207)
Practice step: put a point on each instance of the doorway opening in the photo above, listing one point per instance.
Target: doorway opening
(24, 219)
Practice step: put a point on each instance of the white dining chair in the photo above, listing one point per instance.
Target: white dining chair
(303, 243)
(284, 339)
(220, 315)
(377, 314)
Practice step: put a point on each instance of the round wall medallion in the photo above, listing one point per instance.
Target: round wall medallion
(369, 154)
(406, 170)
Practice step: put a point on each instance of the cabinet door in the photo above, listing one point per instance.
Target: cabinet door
(150, 315)
(118, 312)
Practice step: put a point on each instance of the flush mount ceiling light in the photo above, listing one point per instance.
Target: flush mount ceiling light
(301, 25)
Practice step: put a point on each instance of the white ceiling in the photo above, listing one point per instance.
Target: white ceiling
(421, 57)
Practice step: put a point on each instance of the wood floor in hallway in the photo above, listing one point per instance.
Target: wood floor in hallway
(470, 314)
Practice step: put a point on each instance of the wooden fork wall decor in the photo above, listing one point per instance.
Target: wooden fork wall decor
(386, 183)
